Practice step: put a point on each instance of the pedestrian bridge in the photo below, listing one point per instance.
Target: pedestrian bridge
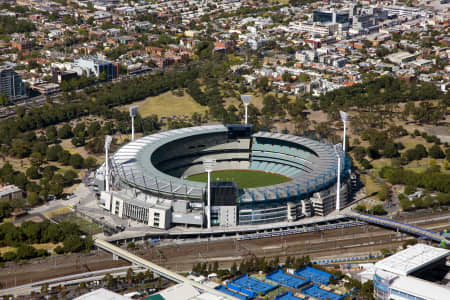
(163, 272)
(399, 226)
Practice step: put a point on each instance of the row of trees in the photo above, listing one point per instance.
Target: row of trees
(431, 179)
(10, 25)
(23, 252)
(381, 90)
(45, 232)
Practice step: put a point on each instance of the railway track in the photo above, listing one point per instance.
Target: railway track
(353, 241)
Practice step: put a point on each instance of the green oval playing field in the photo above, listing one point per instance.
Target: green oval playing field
(243, 178)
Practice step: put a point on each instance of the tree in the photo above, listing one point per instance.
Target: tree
(93, 129)
(73, 243)
(65, 132)
(233, 269)
(64, 157)
(78, 141)
(76, 161)
(56, 189)
(52, 152)
(37, 159)
(377, 210)
(69, 177)
(32, 173)
(390, 150)
(26, 252)
(19, 148)
(90, 163)
(52, 134)
(436, 152)
(33, 198)
(4, 99)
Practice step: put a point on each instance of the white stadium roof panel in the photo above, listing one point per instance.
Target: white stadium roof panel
(412, 259)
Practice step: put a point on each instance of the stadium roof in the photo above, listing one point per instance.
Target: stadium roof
(421, 288)
(103, 294)
(411, 259)
(133, 165)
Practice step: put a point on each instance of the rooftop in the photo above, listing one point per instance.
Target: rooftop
(421, 288)
(409, 260)
(103, 294)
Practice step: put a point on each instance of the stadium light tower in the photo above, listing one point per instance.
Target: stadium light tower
(344, 118)
(246, 99)
(209, 165)
(133, 113)
(338, 183)
(108, 140)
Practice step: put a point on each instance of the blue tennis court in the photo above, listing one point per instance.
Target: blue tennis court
(286, 279)
(314, 275)
(223, 289)
(287, 296)
(316, 292)
(241, 290)
(253, 284)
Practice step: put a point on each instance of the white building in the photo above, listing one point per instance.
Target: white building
(404, 275)
(314, 28)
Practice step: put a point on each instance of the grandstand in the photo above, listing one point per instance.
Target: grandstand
(253, 285)
(313, 275)
(149, 185)
(286, 280)
(318, 293)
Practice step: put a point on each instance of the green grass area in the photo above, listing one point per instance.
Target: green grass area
(85, 226)
(243, 178)
(166, 105)
(372, 188)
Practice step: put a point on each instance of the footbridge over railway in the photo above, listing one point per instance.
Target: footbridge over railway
(399, 226)
(163, 272)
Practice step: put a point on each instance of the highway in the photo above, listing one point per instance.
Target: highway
(156, 269)
(399, 226)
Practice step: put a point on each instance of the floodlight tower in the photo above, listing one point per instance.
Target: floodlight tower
(108, 140)
(209, 165)
(246, 99)
(344, 118)
(338, 183)
(133, 113)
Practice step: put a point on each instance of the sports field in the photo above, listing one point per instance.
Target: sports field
(243, 178)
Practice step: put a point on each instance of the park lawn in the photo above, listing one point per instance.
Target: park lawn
(46, 246)
(167, 105)
(380, 163)
(243, 178)
(85, 225)
(7, 249)
(372, 188)
(57, 212)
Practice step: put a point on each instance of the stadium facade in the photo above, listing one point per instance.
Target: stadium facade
(148, 177)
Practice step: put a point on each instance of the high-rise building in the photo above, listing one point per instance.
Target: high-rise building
(11, 84)
(322, 16)
(94, 66)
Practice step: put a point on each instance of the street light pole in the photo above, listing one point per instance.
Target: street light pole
(108, 140)
(209, 166)
(246, 99)
(133, 112)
